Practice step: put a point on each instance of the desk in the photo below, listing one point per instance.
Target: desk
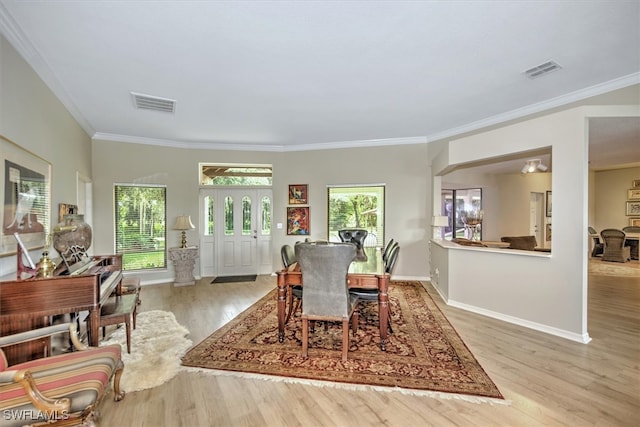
(367, 274)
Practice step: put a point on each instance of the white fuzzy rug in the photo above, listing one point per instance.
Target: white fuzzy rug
(157, 345)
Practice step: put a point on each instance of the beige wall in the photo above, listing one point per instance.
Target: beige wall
(610, 196)
(402, 169)
(32, 117)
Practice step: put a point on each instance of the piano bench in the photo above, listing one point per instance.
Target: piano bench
(131, 285)
(120, 310)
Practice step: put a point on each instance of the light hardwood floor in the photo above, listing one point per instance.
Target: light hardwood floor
(548, 380)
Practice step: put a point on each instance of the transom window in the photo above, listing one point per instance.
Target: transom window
(258, 175)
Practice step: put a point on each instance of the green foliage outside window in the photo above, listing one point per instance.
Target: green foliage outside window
(140, 216)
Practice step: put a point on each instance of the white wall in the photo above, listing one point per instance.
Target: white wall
(32, 117)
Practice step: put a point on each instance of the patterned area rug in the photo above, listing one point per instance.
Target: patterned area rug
(424, 354)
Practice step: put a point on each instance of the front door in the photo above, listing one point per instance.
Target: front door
(236, 231)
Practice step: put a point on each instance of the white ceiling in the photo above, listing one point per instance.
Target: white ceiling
(293, 75)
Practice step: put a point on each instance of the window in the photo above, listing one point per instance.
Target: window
(357, 207)
(467, 203)
(235, 175)
(140, 216)
(265, 223)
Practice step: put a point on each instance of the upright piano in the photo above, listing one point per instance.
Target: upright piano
(30, 303)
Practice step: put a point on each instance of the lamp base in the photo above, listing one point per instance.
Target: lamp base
(184, 240)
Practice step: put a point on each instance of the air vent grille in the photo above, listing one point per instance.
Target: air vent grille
(542, 69)
(155, 103)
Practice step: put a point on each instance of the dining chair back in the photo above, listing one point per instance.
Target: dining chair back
(326, 296)
(614, 247)
(390, 263)
(288, 255)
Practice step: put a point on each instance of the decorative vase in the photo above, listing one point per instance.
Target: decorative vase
(72, 234)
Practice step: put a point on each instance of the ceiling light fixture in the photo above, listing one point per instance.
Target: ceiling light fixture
(534, 165)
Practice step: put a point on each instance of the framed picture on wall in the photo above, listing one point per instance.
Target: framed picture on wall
(634, 222)
(25, 194)
(548, 203)
(633, 208)
(635, 183)
(298, 194)
(547, 232)
(298, 220)
(633, 194)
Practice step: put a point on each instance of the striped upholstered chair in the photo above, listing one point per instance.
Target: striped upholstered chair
(57, 390)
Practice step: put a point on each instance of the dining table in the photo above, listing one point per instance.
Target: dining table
(366, 273)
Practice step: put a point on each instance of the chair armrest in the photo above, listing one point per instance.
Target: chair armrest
(53, 408)
(47, 331)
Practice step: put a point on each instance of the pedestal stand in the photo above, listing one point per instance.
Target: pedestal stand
(184, 259)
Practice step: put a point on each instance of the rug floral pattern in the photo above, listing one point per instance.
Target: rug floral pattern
(424, 352)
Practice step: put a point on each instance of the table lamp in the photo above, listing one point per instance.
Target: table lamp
(437, 222)
(183, 223)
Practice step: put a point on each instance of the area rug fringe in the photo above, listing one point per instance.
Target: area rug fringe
(348, 386)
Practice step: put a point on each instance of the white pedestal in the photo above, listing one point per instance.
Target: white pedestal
(184, 259)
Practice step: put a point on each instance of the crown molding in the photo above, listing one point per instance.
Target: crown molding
(519, 113)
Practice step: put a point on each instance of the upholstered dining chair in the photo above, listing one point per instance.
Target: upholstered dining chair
(614, 248)
(598, 246)
(356, 236)
(365, 295)
(326, 293)
(288, 258)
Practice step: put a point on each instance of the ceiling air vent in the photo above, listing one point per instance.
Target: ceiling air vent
(542, 69)
(148, 102)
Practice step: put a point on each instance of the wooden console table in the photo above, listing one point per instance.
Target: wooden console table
(184, 260)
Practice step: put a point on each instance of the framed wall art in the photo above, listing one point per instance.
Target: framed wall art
(548, 203)
(634, 222)
(298, 194)
(635, 183)
(66, 209)
(633, 194)
(633, 208)
(298, 220)
(26, 195)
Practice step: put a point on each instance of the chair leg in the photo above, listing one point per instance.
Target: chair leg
(345, 339)
(305, 337)
(289, 305)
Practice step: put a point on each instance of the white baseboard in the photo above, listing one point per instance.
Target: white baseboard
(584, 338)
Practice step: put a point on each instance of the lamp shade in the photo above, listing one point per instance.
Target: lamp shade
(183, 222)
(440, 221)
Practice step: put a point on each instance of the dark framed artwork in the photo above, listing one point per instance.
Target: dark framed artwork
(548, 203)
(25, 194)
(547, 232)
(298, 220)
(298, 194)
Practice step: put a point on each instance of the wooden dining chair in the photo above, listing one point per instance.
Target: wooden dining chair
(294, 292)
(326, 295)
(366, 295)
